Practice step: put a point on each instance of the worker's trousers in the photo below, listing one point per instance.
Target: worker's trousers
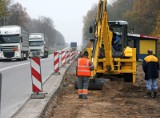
(151, 84)
(83, 83)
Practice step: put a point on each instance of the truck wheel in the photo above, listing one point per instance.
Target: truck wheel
(46, 54)
(22, 57)
(25, 56)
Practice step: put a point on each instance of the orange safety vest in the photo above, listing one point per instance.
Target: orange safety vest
(83, 67)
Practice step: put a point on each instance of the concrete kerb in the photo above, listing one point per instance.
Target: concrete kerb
(34, 108)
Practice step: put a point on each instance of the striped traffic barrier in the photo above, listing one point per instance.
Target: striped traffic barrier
(73, 54)
(70, 56)
(77, 53)
(63, 53)
(56, 62)
(36, 78)
(67, 56)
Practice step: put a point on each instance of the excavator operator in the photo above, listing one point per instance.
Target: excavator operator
(115, 40)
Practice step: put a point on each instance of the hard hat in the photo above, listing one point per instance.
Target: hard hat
(149, 51)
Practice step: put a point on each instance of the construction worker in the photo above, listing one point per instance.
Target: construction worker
(84, 67)
(150, 68)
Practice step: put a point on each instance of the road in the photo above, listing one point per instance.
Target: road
(17, 83)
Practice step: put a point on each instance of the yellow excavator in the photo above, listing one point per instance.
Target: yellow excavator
(109, 52)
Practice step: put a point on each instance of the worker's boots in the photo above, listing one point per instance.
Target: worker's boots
(85, 97)
(149, 95)
(80, 96)
(154, 94)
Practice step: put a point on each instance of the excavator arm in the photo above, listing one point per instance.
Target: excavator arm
(102, 35)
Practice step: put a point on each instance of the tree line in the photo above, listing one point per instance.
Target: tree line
(143, 16)
(15, 14)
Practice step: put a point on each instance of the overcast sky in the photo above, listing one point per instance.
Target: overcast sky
(67, 15)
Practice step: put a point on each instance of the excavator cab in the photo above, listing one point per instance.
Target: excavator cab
(119, 38)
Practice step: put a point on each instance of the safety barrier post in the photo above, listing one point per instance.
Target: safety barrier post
(36, 78)
(67, 56)
(77, 53)
(63, 58)
(56, 63)
(70, 56)
(73, 54)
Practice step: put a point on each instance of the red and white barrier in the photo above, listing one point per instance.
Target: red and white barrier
(36, 74)
(56, 62)
(70, 56)
(67, 56)
(63, 58)
(76, 53)
(73, 54)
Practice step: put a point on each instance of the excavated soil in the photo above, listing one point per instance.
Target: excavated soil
(116, 100)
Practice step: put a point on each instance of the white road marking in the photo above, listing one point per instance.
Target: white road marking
(6, 68)
(3, 69)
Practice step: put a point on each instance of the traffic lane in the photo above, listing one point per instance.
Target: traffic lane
(16, 89)
(6, 64)
(17, 85)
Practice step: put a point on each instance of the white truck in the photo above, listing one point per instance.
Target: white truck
(13, 43)
(37, 45)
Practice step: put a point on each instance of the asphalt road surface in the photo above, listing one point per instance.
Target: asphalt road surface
(17, 83)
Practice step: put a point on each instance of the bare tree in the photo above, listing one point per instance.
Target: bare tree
(45, 25)
(89, 20)
(4, 4)
(17, 15)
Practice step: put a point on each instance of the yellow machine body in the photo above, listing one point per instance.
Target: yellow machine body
(125, 64)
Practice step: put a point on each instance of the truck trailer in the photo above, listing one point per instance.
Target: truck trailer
(13, 43)
(37, 45)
